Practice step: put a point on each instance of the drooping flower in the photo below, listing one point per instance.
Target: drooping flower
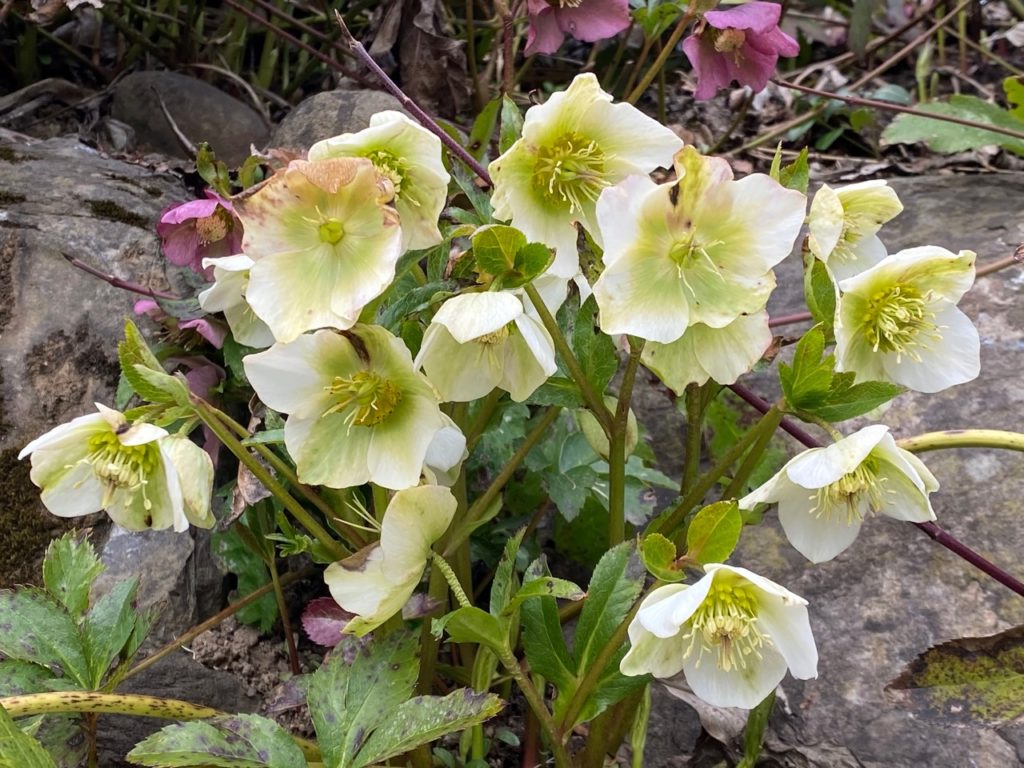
(377, 581)
(227, 295)
(742, 44)
(733, 634)
(702, 352)
(199, 229)
(587, 20)
(824, 494)
(899, 322)
(479, 341)
(206, 327)
(445, 454)
(409, 156)
(842, 225)
(324, 241)
(697, 250)
(139, 474)
(573, 146)
(357, 410)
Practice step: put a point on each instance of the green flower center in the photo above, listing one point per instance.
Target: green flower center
(726, 627)
(331, 231)
(570, 171)
(210, 229)
(898, 319)
(843, 496)
(368, 397)
(688, 253)
(392, 168)
(122, 467)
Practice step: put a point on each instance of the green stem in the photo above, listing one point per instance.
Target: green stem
(751, 460)
(590, 397)
(666, 51)
(483, 417)
(694, 419)
(963, 438)
(380, 501)
(674, 517)
(205, 412)
(72, 702)
(617, 448)
(537, 705)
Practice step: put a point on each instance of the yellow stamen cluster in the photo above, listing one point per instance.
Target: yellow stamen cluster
(392, 168)
(494, 337)
(214, 227)
(725, 626)
(368, 397)
(898, 319)
(570, 171)
(846, 493)
(121, 467)
(730, 41)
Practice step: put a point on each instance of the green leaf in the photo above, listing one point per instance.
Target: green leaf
(659, 557)
(511, 124)
(819, 292)
(108, 627)
(612, 687)
(594, 350)
(569, 489)
(504, 583)
(973, 680)
(19, 750)
(614, 587)
(531, 261)
(34, 627)
(482, 130)
(495, 248)
(942, 136)
(547, 586)
(859, 31)
(714, 532)
(473, 625)
(847, 400)
(557, 390)
(480, 201)
(796, 175)
(173, 386)
(18, 677)
(807, 382)
(69, 569)
(1013, 87)
(132, 351)
(229, 741)
(348, 700)
(234, 353)
(753, 734)
(252, 573)
(543, 641)
(425, 718)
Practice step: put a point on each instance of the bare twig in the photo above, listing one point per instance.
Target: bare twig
(117, 282)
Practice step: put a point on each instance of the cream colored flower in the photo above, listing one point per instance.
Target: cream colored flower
(227, 295)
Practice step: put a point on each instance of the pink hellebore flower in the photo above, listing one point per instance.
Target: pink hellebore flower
(587, 20)
(742, 44)
(200, 229)
(210, 329)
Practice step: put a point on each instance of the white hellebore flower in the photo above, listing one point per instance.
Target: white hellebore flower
(702, 352)
(733, 634)
(324, 242)
(572, 147)
(410, 157)
(824, 494)
(138, 473)
(898, 321)
(227, 295)
(842, 224)
(697, 250)
(357, 410)
(479, 341)
(378, 580)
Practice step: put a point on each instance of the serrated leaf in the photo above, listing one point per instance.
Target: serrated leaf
(614, 587)
(18, 677)
(35, 627)
(511, 124)
(495, 247)
(806, 383)
(504, 583)
(132, 351)
(173, 386)
(942, 136)
(543, 641)
(557, 390)
(473, 625)
(569, 489)
(230, 741)
(973, 680)
(69, 569)
(19, 750)
(796, 175)
(480, 201)
(714, 532)
(483, 128)
(659, 555)
(1013, 87)
(820, 293)
(425, 718)
(348, 700)
(612, 687)
(594, 350)
(108, 626)
(531, 261)
(547, 586)
(857, 400)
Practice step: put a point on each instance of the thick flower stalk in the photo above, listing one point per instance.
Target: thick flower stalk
(227, 295)
(742, 43)
(407, 155)
(733, 634)
(899, 322)
(824, 494)
(573, 147)
(479, 341)
(378, 580)
(697, 250)
(324, 243)
(357, 410)
(199, 229)
(142, 476)
(843, 223)
(587, 20)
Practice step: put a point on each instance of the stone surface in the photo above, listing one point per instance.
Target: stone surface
(327, 114)
(201, 111)
(895, 593)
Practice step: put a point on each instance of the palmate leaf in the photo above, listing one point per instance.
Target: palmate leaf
(35, 628)
(69, 569)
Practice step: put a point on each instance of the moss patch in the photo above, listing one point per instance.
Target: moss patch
(8, 155)
(9, 198)
(111, 211)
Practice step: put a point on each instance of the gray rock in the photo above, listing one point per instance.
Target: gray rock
(331, 113)
(201, 111)
(895, 593)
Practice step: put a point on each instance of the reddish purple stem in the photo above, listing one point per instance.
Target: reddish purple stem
(933, 531)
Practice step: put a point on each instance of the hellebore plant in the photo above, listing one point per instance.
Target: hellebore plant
(199, 229)
(587, 20)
